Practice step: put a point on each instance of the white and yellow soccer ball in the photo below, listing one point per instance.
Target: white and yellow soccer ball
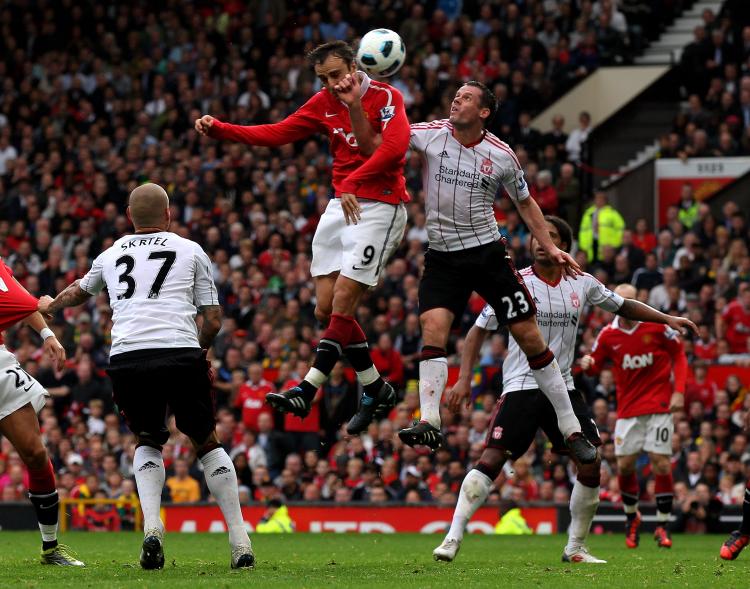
(381, 53)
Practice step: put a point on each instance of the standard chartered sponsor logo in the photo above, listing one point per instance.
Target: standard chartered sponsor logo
(554, 318)
(458, 177)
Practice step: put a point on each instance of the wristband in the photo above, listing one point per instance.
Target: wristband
(46, 332)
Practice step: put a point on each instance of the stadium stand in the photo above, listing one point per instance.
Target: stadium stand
(98, 97)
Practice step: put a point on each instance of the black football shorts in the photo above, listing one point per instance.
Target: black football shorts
(450, 277)
(518, 415)
(146, 384)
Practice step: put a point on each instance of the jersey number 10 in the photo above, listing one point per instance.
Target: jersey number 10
(168, 258)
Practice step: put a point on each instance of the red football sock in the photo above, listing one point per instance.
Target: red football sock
(663, 484)
(42, 481)
(340, 329)
(629, 488)
(356, 334)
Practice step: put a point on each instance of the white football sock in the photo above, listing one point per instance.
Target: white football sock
(148, 466)
(49, 532)
(583, 504)
(628, 509)
(433, 374)
(221, 479)
(474, 491)
(553, 386)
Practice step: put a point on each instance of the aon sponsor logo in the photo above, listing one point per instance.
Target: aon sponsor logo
(637, 361)
(350, 138)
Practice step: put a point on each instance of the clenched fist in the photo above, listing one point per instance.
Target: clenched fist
(203, 124)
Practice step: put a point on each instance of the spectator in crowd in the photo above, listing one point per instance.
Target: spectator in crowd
(568, 189)
(602, 226)
(182, 487)
(577, 137)
(545, 193)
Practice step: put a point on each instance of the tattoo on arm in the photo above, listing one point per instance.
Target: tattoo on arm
(211, 325)
(72, 296)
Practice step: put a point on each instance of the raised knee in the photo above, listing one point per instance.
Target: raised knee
(625, 469)
(35, 459)
(322, 315)
(435, 330)
(662, 467)
(342, 297)
(491, 463)
(590, 474)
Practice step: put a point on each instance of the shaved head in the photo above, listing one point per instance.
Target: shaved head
(148, 206)
(626, 291)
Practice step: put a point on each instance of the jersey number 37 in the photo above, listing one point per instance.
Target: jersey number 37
(167, 258)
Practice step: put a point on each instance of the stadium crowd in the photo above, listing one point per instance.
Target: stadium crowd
(97, 98)
(714, 120)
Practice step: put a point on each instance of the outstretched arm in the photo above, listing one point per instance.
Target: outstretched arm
(637, 311)
(534, 219)
(72, 296)
(296, 126)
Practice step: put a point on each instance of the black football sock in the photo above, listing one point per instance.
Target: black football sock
(330, 348)
(46, 508)
(358, 355)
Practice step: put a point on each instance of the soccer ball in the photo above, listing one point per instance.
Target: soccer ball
(381, 53)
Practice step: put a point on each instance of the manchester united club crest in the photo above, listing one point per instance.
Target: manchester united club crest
(647, 339)
(574, 300)
(486, 167)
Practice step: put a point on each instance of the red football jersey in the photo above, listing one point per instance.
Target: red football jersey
(642, 360)
(377, 177)
(252, 399)
(15, 301)
(737, 320)
(703, 392)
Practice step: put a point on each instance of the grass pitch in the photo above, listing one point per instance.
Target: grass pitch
(372, 560)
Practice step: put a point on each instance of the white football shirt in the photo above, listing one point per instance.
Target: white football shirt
(461, 183)
(559, 307)
(156, 284)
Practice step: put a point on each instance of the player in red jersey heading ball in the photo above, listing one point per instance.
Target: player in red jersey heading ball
(21, 398)
(643, 357)
(368, 131)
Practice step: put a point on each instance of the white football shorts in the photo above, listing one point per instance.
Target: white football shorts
(17, 387)
(360, 251)
(650, 433)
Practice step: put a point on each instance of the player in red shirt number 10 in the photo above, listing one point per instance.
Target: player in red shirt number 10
(643, 357)
(361, 228)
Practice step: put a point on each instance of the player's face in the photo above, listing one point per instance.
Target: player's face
(466, 108)
(331, 71)
(537, 252)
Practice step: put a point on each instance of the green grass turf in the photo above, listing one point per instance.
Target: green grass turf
(371, 560)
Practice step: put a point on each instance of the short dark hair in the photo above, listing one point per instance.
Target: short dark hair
(336, 48)
(487, 99)
(563, 230)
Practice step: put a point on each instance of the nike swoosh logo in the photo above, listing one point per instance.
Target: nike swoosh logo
(616, 347)
(358, 268)
(329, 115)
(27, 389)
